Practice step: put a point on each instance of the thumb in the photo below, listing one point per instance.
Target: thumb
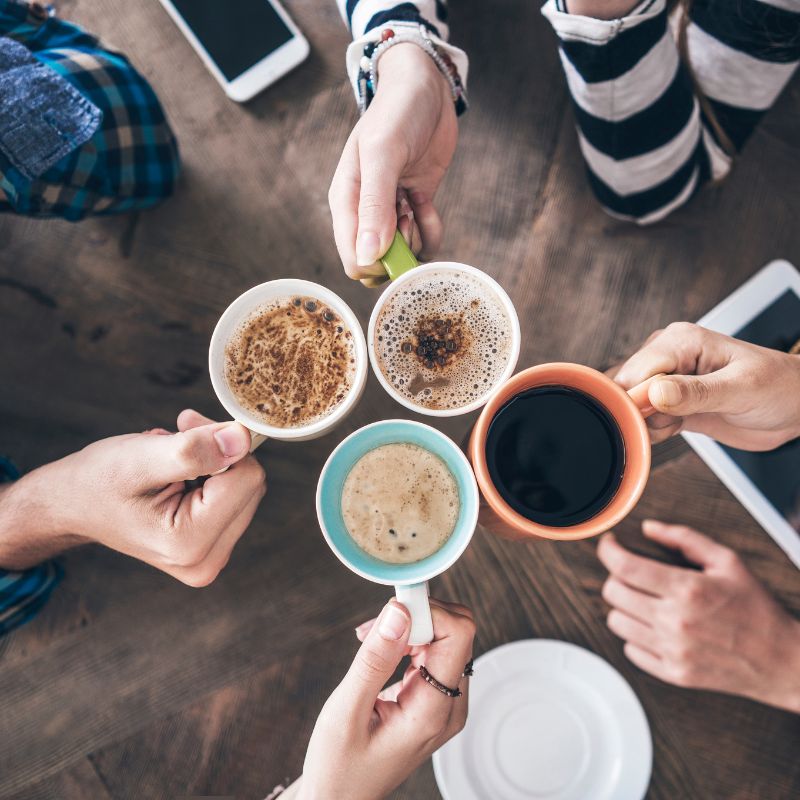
(190, 454)
(697, 547)
(377, 207)
(376, 660)
(684, 395)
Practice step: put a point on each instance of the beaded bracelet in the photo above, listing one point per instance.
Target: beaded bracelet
(368, 66)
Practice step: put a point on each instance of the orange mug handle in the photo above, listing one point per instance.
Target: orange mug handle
(640, 395)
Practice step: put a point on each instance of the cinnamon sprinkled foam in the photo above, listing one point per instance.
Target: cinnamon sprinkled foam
(291, 363)
(443, 341)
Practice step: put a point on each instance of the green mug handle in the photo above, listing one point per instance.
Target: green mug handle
(399, 258)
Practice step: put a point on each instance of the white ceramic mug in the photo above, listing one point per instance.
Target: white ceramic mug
(403, 268)
(243, 307)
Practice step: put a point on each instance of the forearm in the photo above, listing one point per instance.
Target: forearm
(783, 688)
(31, 529)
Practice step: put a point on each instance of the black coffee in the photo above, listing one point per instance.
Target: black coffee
(555, 455)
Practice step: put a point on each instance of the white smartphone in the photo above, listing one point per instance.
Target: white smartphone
(765, 311)
(246, 44)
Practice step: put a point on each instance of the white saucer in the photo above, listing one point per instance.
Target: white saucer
(547, 721)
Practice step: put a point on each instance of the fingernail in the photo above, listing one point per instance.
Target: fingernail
(649, 525)
(364, 626)
(668, 393)
(367, 248)
(393, 623)
(230, 440)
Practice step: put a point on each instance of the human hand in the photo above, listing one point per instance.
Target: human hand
(717, 628)
(403, 143)
(367, 739)
(129, 493)
(738, 393)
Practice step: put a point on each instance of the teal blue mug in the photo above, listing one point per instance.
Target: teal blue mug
(409, 580)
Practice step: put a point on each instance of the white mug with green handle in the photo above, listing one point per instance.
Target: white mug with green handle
(404, 269)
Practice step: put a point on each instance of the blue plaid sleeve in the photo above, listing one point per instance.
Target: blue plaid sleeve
(22, 594)
(131, 162)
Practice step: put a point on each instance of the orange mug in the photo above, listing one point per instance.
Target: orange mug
(628, 410)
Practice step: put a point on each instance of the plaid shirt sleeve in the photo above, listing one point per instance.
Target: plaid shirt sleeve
(130, 162)
(22, 594)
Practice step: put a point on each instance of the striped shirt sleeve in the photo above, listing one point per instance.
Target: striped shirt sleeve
(367, 19)
(363, 16)
(645, 137)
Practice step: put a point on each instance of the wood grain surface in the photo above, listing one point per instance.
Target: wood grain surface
(130, 685)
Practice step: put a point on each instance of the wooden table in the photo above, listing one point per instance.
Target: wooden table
(131, 685)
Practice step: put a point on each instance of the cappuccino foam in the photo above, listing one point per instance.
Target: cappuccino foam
(291, 362)
(400, 503)
(444, 340)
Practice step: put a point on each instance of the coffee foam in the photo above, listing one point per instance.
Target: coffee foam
(291, 362)
(400, 503)
(472, 316)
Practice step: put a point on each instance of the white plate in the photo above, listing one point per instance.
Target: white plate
(548, 720)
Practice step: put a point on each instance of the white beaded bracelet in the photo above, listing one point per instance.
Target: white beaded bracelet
(368, 72)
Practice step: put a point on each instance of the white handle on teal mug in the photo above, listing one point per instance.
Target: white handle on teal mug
(415, 598)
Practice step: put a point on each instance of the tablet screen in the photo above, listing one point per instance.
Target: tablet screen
(775, 473)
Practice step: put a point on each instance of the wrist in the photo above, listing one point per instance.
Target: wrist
(407, 64)
(791, 694)
(782, 689)
(601, 9)
(795, 366)
(32, 527)
(294, 791)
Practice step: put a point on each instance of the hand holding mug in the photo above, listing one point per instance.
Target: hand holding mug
(354, 548)
(406, 139)
(738, 393)
(716, 628)
(129, 493)
(368, 739)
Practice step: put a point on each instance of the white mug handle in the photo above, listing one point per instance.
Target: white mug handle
(256, 440)
(415, 598)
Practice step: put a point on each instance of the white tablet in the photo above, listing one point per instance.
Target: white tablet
(765, 311)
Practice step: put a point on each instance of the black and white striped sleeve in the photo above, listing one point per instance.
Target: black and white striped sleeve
(363, 16)
(368, 18)
(646, 142)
